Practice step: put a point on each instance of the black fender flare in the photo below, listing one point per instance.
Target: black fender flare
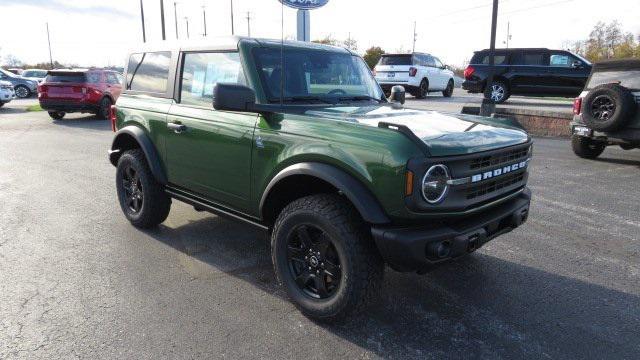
(145, 143)
(359, 195)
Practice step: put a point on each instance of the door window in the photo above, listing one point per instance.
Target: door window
(430, 61)
(149, 72)
(531, 59)
(112, 79)
(202, 71)
(561, 60)
(438, 63)
(93, 77)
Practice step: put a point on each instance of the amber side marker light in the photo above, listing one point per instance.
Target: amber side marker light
(408, 190)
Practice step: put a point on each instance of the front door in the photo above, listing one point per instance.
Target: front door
(567, 74)
(209, 151)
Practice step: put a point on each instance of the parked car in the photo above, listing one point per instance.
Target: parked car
(24, 88)
(35, 74)
(418, 73)
(15, 71)
(85, 91)
(6, 92)
(534, 72)
(300, 141)
(607, 112)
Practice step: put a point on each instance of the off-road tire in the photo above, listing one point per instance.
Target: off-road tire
(361, 265)
(449, 90)
(103, 110)
(423, 90)
(56, 115)
(587, 148)
(622, 103)
(155, 202)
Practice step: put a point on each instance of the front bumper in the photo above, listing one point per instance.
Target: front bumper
(473, 86)
(416, 248)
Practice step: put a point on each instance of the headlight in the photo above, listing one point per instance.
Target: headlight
(434, 184)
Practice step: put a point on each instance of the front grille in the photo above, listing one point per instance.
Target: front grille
(493, 186)
(497, 160)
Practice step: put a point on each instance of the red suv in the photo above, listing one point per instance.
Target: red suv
(85, 91)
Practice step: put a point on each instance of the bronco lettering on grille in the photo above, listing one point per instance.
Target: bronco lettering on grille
(499, 171)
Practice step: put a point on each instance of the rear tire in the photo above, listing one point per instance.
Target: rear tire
(608, 107)
(498, 92)
(142, 198)
(103, 110)
(56, 115)
(449, 90)
(328, 222)
(22, 91)
(423, 90)
(587, 148)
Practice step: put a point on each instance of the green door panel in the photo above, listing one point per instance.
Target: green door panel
(212, 157)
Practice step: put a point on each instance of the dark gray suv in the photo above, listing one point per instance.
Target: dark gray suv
(24, 88)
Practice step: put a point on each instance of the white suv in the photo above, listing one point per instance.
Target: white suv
(6, 92)
(419, 73)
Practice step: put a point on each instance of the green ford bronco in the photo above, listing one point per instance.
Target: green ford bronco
(297, 139)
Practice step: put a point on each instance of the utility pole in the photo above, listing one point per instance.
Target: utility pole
(186, 20)
(415, 36)
(175, 17)
(508, 33)
(232, 32)
(204, 20)
(164, 36)
(488, 105)
(248, 24)
(49, 41)
(144, 36)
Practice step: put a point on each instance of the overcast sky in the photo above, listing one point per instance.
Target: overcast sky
(97, 32)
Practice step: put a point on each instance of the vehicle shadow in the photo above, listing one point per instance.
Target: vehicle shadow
(85, 122)
(619, 161)
(12, 110)
(478, 307)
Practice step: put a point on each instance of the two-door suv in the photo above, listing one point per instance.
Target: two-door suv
(298, 139)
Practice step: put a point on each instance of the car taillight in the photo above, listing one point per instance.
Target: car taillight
(577, 105)
(112, 117)
(468, 72)
(413, 71)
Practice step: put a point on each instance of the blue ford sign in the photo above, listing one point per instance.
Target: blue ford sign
(304, 4)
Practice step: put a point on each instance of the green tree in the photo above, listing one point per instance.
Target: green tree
(373, 55)
(327, 40)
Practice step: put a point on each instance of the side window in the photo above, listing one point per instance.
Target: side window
(498, 59)
(558, 59)
(93, 77)
(112, 79)
(201, 71)
(438, 62)
(148, 72)
(533, 59)
(429, 61)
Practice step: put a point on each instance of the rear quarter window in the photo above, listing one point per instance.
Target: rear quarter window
(483, 58)
(149, 72)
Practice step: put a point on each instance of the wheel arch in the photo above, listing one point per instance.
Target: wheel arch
(309, 178)
(133, 137)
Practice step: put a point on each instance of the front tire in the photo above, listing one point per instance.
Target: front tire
(142, 198)
(587, 148)
(103, 110)
(56, 115)
(449, 90)
(324, 255)
(22, 91)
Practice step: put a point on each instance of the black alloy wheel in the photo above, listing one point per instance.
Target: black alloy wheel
(133, 193)
(603, 107)
(313, 261)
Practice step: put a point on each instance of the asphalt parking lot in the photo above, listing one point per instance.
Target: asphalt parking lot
(77, 281)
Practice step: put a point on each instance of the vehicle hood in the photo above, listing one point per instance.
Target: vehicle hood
(444, 134)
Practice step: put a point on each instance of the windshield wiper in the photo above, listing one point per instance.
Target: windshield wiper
(359, 97)
(303, 99)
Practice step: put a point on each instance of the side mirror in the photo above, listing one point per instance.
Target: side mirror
(233, 97)
(576, 64)
(397, 94)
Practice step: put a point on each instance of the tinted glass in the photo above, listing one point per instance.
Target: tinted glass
(112, 78)
(66, 78)
(531, 59)
(628, 79)
(93, 77)
(438, 62)
(396, 60)
(34, 73)
(202, 71)
(317, 74)
(148, 72)
(483, 58)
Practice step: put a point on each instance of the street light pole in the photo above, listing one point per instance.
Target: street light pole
(144, 36)
(204, 19)
(164, 36)
(49, 41)
(175, 17)
(415, 36)
(232, 32)
(248, 24)
(488, 105)
(186, 20)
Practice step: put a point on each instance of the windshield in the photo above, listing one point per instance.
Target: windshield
(315, 76)
(35, 73)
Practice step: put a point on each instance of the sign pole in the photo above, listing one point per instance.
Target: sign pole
(304, 25)
(488, 105)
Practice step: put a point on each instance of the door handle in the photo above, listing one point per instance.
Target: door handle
(177, 128)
